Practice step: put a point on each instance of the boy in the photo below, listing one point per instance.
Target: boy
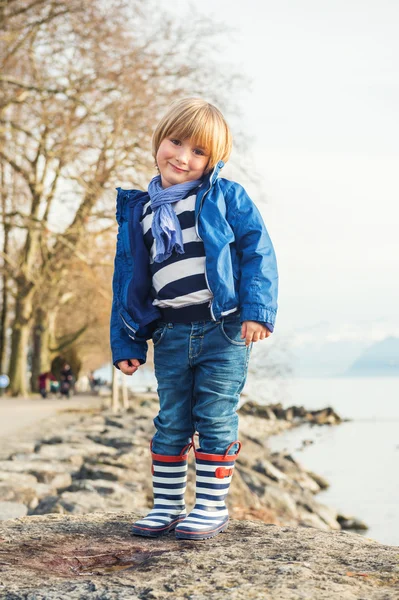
(195, 268)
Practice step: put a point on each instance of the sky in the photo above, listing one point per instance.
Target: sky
(321, 115)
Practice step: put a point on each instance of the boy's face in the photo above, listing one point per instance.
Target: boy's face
(180, 160)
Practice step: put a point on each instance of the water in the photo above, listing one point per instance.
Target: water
(359, 459)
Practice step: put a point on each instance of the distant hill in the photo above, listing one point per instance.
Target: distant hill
(326, 358)
(380, 359)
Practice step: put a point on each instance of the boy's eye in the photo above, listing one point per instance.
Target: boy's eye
(199, 152)
(175, 141)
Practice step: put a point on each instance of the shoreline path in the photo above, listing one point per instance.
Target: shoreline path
(18, 415)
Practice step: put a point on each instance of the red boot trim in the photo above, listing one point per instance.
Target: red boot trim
(220, 457)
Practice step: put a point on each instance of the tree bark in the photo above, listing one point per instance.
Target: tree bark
(4, 306)
(19, 342)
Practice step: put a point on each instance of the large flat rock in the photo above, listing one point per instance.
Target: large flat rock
(94, 557)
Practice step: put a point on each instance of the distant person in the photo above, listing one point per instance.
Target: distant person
(205, 288)
(46, 383)
(66, 380)
(92, 381)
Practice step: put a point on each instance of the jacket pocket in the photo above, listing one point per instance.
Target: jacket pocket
(127, 323)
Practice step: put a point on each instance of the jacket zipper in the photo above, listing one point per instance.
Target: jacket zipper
(128, 326)
(197, 232)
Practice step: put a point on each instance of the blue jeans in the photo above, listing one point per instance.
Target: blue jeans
(201, 368)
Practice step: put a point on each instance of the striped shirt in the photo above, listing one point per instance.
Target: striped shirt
(179, 285)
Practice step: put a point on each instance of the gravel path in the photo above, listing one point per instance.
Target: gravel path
(21, 418)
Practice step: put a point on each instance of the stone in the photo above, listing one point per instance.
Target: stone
(102, 471)
(112, 439)
(95, 557)
(321, 481)
(81, 502)
(267, 468)
(18, 479)
(347, 522)
(12, 510)
(66, 452)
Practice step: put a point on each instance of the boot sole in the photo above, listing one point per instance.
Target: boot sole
(201, 535)
(154, 533)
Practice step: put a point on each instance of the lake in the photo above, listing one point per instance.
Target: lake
(359, 459)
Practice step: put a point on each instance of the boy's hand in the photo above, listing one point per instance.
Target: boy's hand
(253, 331)
(128, 367)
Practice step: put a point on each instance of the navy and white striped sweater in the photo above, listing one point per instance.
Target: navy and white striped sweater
(179, 286)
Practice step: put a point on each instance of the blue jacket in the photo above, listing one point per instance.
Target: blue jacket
(241, 269)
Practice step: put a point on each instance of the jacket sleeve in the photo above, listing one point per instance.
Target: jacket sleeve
(123, 347)
(258, 287)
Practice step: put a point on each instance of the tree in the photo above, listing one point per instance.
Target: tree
(78, 116)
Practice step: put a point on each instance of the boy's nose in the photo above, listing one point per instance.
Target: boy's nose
(182, 155)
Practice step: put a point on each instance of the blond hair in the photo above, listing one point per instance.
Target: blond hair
(200, 121)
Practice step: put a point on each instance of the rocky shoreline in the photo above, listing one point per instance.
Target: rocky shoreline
(93, 460)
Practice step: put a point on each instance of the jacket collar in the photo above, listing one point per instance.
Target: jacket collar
(211, 177)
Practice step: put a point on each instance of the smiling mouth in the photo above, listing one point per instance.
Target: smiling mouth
(178, 169)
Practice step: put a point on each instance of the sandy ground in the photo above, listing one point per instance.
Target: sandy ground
(17, 414)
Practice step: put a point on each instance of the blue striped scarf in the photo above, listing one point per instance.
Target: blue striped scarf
(165, 224)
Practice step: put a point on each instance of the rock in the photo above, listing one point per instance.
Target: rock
(12, 510)
(45, 472)
(23, 495)
(351, 523)
(281, 502)
(266, 468)
(71, 502)
(257, 410)
(325, 416)
(321, 482)
(295, 472)
(18, 479)
(102, 471)
(112, 440)
(327, 514)
(94, 557)
(115, 495)
(116, 421)
(299, 414)
(68, 452)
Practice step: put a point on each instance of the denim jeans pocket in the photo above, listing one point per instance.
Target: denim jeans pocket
(231, 329)
(159, 334)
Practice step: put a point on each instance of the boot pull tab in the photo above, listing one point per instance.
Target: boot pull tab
(222, 472)
(187, 449)
(233, 456)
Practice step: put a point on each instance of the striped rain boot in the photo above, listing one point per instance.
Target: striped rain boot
(209, 515)
(169, 479)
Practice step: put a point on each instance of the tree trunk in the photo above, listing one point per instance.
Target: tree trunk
(4, 307)
(125, 399)
(19, 343)
(115, 390)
